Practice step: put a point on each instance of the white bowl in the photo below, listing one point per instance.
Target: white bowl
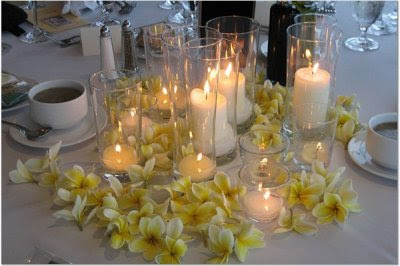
(58, 115)
(383, 150)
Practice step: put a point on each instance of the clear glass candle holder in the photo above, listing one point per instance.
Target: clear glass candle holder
(191, 56)
(318, 18)
(118, 142)
(314, 128)
(245, 31)
(263, 144)
(313, 50)
(267, 186)
(195, 134)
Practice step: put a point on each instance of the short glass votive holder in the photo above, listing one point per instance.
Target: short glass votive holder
(319, 18)
(314, 128)
(263, 144)
(267, 186)
(118, 144)
(245, 32)
(312, 52)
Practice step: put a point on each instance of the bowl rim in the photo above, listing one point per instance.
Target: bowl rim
(371, 126)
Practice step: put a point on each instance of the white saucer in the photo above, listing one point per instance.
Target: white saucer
(15, 107)
(79, 133)
(360, 156)
(264, 48)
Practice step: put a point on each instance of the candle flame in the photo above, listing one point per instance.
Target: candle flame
(228, 70)
(175, 89)
(319, 146)
(213, 74)
(132, 113)
(118, 148)
(308, 54)
(164, 91)
(264, 161)
(199, 156)
(267, 194)
(266, 208)
(119, 126)
(190, 134)
(259, 186)
(206, 89)
(315, 68)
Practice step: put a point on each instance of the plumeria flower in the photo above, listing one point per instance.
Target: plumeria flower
(305, 192)
(137, 173)
(120, 232)
(332, 208)
(43, 165)
(221, 243)
(163, 161)
(75, 179)
(193, 214)
(132, 198)
(349, 196)
(150, 241)
(135, 216)
(50, 179)
(174, 247)
(177, 188)
(198, 193)
(21, 174)
(109, 210)
(76, 214)
(187, 150)
(247, 238)
(294, 222)
(344, 132)
(222, 184)
(160, 209)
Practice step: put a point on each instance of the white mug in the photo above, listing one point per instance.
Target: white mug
(382, 149)
(58, 115)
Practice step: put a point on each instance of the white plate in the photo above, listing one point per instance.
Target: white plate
(7, 79)
(79, 133)
(264, 48)
(360, 156)
(15, 107)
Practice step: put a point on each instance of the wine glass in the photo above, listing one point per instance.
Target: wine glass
(187, 15)
(365, 13)
(105, 11)
(380, 28)
(36, 35)
(167, 4)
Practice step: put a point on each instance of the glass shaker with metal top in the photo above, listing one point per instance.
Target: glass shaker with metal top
(128, 51)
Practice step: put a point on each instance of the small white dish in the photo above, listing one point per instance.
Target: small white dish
(7, 79)
(15, 107)
(79, 133)
(360, 156)
(264, 48)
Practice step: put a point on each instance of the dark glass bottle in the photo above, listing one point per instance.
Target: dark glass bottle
(281, 17)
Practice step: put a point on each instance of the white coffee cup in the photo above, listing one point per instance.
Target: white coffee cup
(58, 115)
(382, 149)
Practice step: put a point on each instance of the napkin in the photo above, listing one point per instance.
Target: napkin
(75, 7)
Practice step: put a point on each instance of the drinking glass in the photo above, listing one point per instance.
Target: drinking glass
(187, 15)
(365, 13)
(167, 4)
(380, 28)
(36, 35)
(105, 6)
(314, 127)
(315, 17)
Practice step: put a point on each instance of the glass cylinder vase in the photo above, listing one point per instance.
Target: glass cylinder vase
(245, 31)
(195, 134)
(313, 50)
(118, 128)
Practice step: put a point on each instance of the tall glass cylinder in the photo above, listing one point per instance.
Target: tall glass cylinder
(312, 53)
(179, 91)
(195, 133)
(118, 124)
(245, 31)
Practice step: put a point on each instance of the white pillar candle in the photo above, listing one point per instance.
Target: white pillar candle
(225, 139)
(244, 105)
(118, 157)
(311, 85)
(262, 205)
(199, 167)
(129, 122)
(315, 151)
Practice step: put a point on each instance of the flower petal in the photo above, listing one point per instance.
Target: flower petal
(226, 239)
(116, 240)
(222, 181)
(64, 214)
(143, 224)
(115, 185)
(138, 245)
(174, 228)
(241, 251)
(156, 227)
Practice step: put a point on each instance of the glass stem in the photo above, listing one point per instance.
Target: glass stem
(34, 14)
(363, 37)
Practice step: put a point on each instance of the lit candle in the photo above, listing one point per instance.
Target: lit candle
(262, 205)
(119, 157)
(163, 99)
(225, 139)
(129, 122)
(226, 86)
(311, 85)
(198, 167)
(315, 151)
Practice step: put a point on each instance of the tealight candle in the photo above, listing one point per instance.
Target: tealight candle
(262, 205)
(198, 167)
(315, 151)
(311, 85)
(119, 156)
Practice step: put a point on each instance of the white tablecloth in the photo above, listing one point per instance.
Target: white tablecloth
(368, 237)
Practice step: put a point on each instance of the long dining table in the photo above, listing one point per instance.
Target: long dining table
(369, 237)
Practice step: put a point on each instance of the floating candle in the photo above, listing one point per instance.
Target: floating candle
(119, 157)
(199, 167)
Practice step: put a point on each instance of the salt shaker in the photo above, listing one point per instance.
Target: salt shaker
(128, 53)
(107, 60)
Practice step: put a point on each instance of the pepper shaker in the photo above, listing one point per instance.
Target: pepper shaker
(128, 53)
